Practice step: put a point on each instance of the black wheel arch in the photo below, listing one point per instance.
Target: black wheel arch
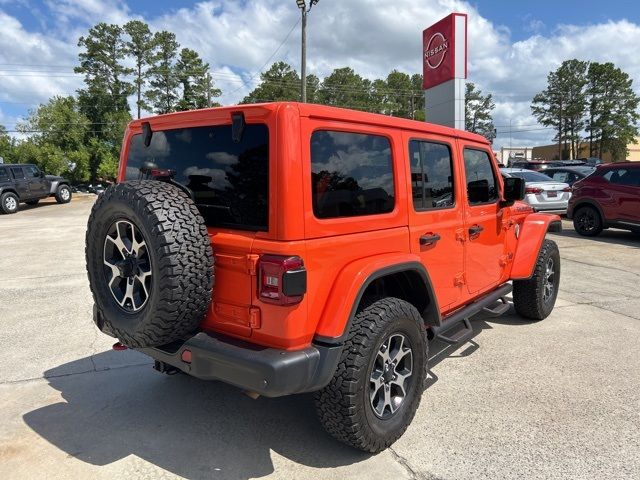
(589, 203)
(409, 281)
(9, 190)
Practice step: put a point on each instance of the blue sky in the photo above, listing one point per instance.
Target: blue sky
(512, 45)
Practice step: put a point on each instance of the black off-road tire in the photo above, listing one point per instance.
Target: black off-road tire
(32, 202)
(63, 194)
(179, 252)
(530, 296)
(6, 198)
(587, 221)
(343, 406)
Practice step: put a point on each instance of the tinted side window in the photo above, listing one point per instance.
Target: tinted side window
(561, 177)
(623, 176)
(351, 174)
(4, 174)
(18, 173)
(431, 175)
(229, 180)
(481, 181)
(33, 171)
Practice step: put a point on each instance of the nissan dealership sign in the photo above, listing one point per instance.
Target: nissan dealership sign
(444, 46)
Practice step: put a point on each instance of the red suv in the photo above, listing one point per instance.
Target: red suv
(609, 197)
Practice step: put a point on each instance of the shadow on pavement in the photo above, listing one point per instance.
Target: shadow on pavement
(192, 428)
(610, 235)
(195, 428)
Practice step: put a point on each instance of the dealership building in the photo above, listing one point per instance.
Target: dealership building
(550, 152)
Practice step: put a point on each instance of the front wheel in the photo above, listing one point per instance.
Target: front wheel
(535, 297)
(379, 381)
(63, 194)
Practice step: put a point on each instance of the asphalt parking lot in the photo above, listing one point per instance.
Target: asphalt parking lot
(554, 399)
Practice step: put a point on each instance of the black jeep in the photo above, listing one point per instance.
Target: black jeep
(27, 183)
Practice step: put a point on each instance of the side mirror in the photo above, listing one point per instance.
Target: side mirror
(478, 191)
(513, 190)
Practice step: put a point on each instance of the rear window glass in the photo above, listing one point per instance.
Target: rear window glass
(531, 176)
(229, 181)
(3, 173)
(17, 172)
(351, 174)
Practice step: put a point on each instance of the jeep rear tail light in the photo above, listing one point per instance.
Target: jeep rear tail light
(535, 190)
(281, 280)
(566, 189)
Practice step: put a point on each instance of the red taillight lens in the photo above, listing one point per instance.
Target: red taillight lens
(535, 190)
(281, 280)
(566, 189)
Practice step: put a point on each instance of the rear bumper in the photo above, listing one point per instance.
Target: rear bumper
(268, 371)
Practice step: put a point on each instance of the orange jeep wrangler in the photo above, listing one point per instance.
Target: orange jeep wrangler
(288, 248)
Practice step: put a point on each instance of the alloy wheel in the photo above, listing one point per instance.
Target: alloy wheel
(548, 281)
(127, 266)
(390, 378)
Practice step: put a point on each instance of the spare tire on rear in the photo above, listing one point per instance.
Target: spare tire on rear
(149, 261)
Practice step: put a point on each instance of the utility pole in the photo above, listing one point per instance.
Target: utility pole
(302, 5)
(208, 90)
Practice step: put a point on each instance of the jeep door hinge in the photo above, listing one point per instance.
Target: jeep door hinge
(252, 264)
(459, 280)
(506, 259)
(460, 236)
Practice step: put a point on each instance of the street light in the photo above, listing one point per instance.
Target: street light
(302, 5)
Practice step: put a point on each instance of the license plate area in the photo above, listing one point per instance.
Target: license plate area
(552, 194)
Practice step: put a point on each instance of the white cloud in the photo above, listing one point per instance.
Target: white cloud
(371, 36)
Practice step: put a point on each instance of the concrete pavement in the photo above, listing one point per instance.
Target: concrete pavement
(554, 399)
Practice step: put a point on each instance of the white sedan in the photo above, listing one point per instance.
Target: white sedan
(541, 192)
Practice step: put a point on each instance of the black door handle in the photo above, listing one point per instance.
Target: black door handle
(429, 239)
(475, 230)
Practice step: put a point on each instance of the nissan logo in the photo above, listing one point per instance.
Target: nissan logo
(436, 50)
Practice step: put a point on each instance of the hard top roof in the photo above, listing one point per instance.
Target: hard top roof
(320, 111)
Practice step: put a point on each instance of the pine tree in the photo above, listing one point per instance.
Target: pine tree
(163, 94)
(140, 48)
(197, 86)
(477, 112)
(279, 83)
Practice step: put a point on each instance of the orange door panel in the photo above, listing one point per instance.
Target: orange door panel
(486, 242)
(435, 216)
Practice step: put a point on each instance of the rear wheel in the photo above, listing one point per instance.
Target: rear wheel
(587, 221)
(535, 297)
(9, 202)
(63, 194)
(378, 384)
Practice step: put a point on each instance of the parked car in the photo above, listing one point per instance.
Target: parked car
(609, 197)
(542, 193)
(591, 161)
(337, 255)
(569, 175)
(27, 183)
(535, 165)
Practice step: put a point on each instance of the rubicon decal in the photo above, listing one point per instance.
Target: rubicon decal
(436, 50)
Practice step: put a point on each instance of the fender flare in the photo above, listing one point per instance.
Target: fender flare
(54, 186)
(532, 234)
(588, 203)
(9, 189)
(350, 285)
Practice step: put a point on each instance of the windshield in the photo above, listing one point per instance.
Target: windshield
(229, 181)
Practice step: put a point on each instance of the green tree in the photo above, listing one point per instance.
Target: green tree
(417, 98)
(477, 112)
(58, 133)
(345, 88)
(139, 47)
(612, 110)
(6, 145)
(163, 94)
(197, 86)
(279, 83)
